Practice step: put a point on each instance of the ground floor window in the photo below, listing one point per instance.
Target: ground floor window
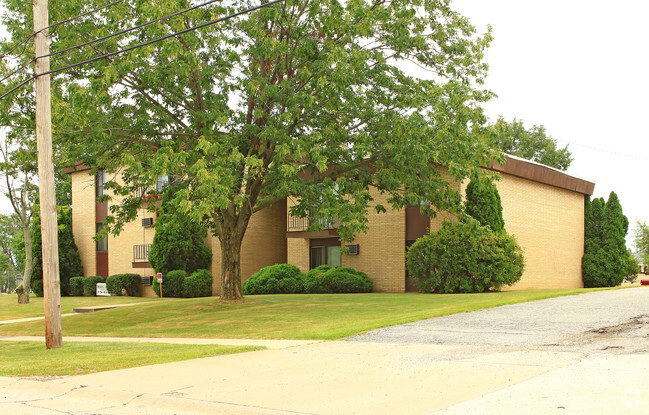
(325, 252)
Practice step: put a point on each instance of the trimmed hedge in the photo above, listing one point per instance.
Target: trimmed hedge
(172, 284)
(90, 285)
(76, 286)
(275, 279)
(119, 283)
(329, 280)
(199, 284)
(464, 258)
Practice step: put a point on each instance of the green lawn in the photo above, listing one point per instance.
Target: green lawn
(274, 316)
(76, 358)
(10, 309)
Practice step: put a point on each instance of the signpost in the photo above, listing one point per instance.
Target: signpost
(159, 276)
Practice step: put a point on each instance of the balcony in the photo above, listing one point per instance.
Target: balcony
(303, 227)
(141, 256)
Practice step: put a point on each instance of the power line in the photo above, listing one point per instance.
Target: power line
(107, 55)
(53, 25)
(101, 39)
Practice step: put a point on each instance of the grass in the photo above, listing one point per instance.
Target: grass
(77, 358)
(10, 309)
(275, 316)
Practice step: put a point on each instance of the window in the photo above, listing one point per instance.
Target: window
(325, 255)
(100, 181)
(102, 244)
(161, 183)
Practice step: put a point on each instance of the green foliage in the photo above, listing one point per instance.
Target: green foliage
(641, 240)
(76, 286)
(606, 260)
(286, 101)
(69, 258)
(533, 144)
(129, 283)
(90, 285)
(632, 269)
(464, 257)
(172, 284)
(483, 203)
(338, 280)
(312, 273)
(10, 237)
(178, 242)
(37, 287)
(275, 279)
(199, 284)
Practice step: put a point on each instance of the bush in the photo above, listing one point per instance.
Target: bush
(76, 286)
(90, 285)
(275, 279)
(463, 258)
(128, 283)
(172, 284)
(37, 287)
(337, 280)
(199, 284)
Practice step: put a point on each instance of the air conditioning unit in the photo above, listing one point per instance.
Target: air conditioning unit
(147, 222)
(352, 249)
(147, 280)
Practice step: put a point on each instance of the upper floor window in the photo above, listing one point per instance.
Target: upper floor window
(161, 183)
(102, 244)
(100, 181)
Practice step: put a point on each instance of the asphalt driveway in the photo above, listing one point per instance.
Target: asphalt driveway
(586, 354)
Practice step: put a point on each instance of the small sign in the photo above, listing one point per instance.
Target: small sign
(101, 290)
(159, 274)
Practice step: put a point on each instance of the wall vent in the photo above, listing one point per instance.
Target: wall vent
(352, 249)
(147, 280)
(147, 222)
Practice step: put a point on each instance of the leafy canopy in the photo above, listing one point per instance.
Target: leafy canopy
(531, 144)
(319, 100)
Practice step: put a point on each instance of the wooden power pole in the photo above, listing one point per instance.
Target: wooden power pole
(49, 229)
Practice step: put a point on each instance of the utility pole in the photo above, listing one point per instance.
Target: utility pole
(49, 229)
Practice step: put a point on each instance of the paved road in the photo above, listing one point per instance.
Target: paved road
(584, 354)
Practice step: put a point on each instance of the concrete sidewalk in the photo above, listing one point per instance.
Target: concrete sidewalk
(344, 377)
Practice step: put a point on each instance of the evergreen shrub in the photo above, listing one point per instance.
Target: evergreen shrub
(172, 284)
(464, 257)
(337, 280)
(90, 285)
(275, 279)
(199, 284)
(129, 283)
(76, 286)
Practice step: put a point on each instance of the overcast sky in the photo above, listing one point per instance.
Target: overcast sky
(579, 67)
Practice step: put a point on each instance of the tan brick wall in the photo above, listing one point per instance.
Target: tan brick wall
(548, 223)
(382, 249)
(120, 247)
(263, 244)
(83, 219)
(298, 253)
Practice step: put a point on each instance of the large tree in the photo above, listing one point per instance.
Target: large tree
(319, 100)
(641, 240)
(9, 265)
(532, 144)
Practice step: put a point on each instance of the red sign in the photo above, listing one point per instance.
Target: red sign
(159, 276)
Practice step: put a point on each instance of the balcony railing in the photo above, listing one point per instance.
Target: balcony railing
(141, 252)
(297, 224)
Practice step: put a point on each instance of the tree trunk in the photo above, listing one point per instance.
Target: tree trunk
(231, 265)
(23, 289)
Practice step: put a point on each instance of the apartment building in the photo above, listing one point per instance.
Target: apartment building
(542, 207)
